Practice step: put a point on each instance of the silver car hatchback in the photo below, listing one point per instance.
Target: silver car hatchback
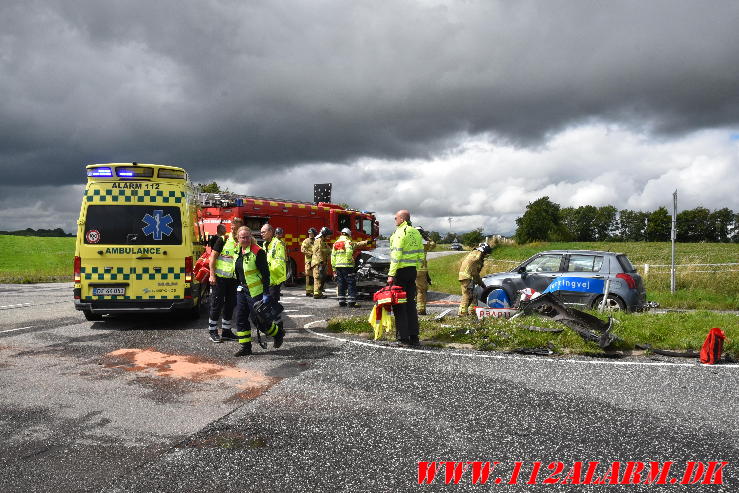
(580, 275)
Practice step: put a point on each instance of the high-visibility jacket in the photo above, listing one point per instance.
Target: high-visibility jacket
(406, 248)
(307, 248)
(321, 251)
(471, 266)
(342, 254)
(252, 277)
(225, 261)
(277, 261)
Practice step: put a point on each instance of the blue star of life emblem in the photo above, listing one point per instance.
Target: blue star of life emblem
(157, 224)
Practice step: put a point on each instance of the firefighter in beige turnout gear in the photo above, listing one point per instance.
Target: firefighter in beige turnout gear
(422, 274)
(319, 261)
(307, 248)
(469, 275)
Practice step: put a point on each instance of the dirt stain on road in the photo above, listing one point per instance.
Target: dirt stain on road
(187, 367)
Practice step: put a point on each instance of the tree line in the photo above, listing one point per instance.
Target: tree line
(37, 232)
(545, 220)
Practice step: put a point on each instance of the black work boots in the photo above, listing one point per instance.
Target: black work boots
(245, 350)
(279, 337)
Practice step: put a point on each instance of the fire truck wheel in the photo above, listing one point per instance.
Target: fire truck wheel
(92, 317)
(292, 269)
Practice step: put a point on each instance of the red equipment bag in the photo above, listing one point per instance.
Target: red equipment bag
(383, 296)
(399, 295)
(201, 271)
(713, 346)
(390, 295)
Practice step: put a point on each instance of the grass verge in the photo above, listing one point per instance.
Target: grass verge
(29, 259)
(672, 331)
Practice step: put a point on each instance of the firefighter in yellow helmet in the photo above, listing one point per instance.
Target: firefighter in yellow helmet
(422, 273)
(319, 261)
(469, 275)
(307, 248)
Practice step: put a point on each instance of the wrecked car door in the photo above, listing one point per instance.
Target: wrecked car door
(585, 266)
(539, 273)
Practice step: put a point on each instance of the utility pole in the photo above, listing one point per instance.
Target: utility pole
(450, 224)
(673, 236)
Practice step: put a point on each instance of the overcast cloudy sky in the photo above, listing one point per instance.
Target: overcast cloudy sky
(465, 109)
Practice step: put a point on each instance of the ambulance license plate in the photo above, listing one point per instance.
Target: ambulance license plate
(108, 291)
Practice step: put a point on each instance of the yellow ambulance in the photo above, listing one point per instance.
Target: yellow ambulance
(137, 241)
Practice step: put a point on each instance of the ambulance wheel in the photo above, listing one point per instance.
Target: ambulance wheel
(292, 269)
(92, 317)
(613, 303)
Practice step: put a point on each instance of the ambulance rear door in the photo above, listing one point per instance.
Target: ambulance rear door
(133, 252)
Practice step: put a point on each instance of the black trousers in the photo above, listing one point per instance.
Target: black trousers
(223, 298)
(406, 314)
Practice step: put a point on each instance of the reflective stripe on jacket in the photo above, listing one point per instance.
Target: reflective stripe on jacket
(321, 251)
(277, 261)
(471, 266)
(406, 248)
(342, 254)
(307, 248)
(225, 261)
(252, 277)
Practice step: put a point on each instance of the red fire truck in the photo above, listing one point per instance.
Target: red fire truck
(295, 218)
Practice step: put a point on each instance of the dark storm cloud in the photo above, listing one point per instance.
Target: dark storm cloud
(226, 87)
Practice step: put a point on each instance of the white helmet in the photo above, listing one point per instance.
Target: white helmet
(347, 231)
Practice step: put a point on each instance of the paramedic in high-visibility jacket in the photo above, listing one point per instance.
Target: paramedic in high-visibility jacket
(223, 284)
(342, 260)
(406, 254)
(252, 277)
(277, 262)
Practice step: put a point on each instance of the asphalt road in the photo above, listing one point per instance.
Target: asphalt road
(149, 404)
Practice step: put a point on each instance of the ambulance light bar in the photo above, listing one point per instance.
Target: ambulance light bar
(134, 172)
(102, 172)
(171, 173)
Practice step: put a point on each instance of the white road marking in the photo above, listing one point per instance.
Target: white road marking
(19, 305)
(300, 316)
(311, 324)
(513, 356)
(19, 328)
(288, 311)
(26, 305)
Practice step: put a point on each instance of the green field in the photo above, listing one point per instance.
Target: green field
(701, 287)
(26, 259)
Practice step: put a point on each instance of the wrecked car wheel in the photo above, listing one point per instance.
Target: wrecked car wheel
(613, 303)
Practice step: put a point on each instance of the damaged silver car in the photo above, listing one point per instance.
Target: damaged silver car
(577, 276)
